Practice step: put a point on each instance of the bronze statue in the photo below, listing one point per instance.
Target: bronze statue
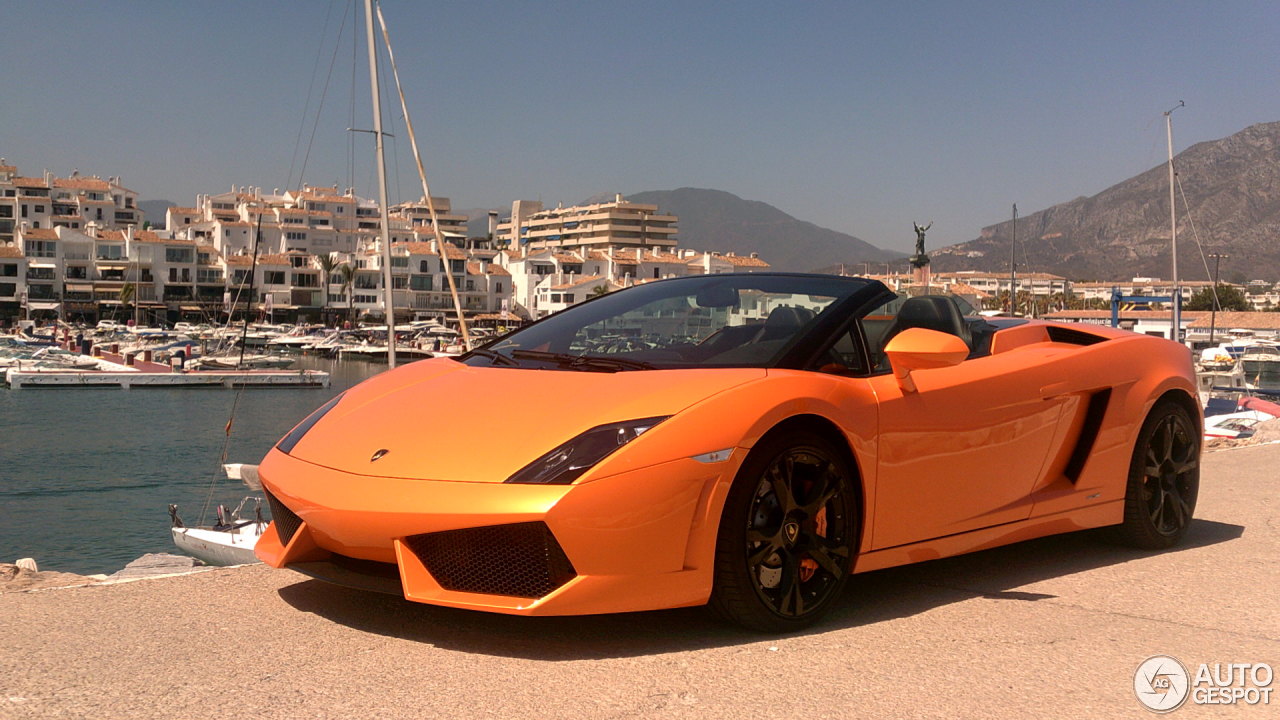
(919, 260)
(920, 236)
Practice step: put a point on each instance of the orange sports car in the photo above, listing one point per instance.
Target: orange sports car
(742, 441)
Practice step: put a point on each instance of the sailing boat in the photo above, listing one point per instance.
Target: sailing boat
(231, 540)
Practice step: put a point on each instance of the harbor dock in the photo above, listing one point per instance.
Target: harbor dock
(1053, 627)
(115, 370)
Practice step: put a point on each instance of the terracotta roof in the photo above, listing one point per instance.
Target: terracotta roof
(40, 234)
(473, 268)
(29, 182)
(1250, 320)
(744, 261)
(80, 183)
(9, 250)
(417, 248)
(184, 210)
(567, 257)
(580, 282)
(8, 168)
(963, 289)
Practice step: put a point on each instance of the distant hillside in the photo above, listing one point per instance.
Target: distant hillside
(721, 221)
(154, 211)
(1232, 191)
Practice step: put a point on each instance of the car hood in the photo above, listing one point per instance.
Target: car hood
(443, 420)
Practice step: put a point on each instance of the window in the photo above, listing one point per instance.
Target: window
(420, 282)
(77, 272)
(178, 255)
(8, 270)
(424, 266)
(399, 282)
(471, 285)
(305, 280)
(273, 277)
(399, 262)
(295, 235)
(110, 252)
(41, 248)
(497, 287)
(24, 210)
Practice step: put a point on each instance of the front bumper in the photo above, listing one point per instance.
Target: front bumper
(639, 540)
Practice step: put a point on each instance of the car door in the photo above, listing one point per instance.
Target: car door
(964, 450)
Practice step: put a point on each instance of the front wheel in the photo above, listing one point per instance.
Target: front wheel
(787, 535)
(1164, 479)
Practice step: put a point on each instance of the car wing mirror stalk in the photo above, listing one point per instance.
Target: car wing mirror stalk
(919, 349)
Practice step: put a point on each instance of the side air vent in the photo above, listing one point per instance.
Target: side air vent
(287, 523)
(1093, 415)
(1073, 337)
(519, 560)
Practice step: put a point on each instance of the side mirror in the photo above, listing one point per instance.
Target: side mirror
(920, 349)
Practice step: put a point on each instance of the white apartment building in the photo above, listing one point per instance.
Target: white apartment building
(547, 281)
(73, 202)
(618, 224)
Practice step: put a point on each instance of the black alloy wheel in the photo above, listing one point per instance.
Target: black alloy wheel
(1164, 479)
(787, 535)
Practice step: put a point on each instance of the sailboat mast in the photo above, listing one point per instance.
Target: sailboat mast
(426, 191)
(1176, 331)
(387, 291)
(1013, 265)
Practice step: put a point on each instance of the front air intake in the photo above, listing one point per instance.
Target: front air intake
(287, 523)
(519, 560)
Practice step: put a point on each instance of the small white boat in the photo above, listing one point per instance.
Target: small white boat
(231, 540)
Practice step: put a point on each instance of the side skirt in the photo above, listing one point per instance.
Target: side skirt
(1100, 515)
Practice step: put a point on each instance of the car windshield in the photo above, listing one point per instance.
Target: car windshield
(703, 321)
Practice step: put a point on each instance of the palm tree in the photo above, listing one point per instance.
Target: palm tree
(348, 279)
(327, 265)
(599, 290)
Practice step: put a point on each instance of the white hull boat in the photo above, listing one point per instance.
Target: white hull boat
(231, 540)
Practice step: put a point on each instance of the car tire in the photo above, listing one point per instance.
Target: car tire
(788, 534)
(1164, 480)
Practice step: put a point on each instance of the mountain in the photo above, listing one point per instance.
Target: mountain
(720, 221)
(1232, 189)
(153, 211)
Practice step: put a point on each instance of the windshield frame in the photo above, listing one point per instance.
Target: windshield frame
(849, 295)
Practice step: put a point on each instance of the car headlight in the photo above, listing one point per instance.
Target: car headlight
(286, 444)
(570, 460)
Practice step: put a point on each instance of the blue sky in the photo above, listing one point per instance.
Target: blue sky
(858, 116)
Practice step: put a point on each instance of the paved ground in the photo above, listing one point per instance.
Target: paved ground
(1049, 628)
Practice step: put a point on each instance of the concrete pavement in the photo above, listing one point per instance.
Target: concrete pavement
(1048, 628)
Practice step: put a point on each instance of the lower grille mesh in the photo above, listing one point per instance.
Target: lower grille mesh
(519, 560)
(287, 523)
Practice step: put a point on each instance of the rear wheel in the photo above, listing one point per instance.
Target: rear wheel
(787, 535)
(1164, 479)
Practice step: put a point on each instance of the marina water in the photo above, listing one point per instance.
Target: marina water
(87, 474)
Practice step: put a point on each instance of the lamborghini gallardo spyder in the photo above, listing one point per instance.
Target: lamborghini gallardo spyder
(739, 441)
